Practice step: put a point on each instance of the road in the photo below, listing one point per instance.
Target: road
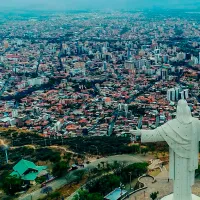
(58, 183)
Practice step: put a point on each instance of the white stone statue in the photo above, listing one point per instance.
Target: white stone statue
(182, 135)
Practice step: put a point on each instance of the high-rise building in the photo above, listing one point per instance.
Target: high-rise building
(129, 65)
(175, 94)
(199, 58)
(171, 94)
(157, 56)
(104, 50)
(164, 74)
(104, 66)
(165, 58)
(177, 91)
(129, 53)
(188, 56)
(184, 94)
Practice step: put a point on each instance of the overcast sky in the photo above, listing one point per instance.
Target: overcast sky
(94, 4)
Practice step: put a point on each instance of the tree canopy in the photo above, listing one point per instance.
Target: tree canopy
(60, 168)
(104, 184)
(85, 195)
(12, 184)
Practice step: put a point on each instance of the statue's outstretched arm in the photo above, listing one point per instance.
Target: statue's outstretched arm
(149, 135)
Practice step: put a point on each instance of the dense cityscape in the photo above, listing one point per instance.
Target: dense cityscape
(74, 87)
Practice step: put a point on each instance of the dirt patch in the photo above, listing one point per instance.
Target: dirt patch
(154, 172)
(67, 190)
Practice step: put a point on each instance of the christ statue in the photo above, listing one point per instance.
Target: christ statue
(182, 134)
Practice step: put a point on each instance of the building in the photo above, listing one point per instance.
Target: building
(165, 59)
(177, 91)
(164, 74)
(129, 65)
(28, 171)
(194, 60)
(171, 94)
(199, 58)
(181, 56)
(104, 66)
(175, 94)
(157, 56)
(188, 56)
(184, 94)
(14, 113)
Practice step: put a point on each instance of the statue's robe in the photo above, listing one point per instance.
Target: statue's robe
(183, 141)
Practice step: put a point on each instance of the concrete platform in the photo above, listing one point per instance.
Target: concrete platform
(170, 197)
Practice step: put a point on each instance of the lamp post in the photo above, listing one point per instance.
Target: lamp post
(130, 173)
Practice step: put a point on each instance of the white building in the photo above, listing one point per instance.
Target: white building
(14, 113)
(175, 94)
(129, 65)
(171, 94)
(181, 56)
(195, 60)
(184, 94)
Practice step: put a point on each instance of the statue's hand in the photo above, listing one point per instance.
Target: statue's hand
(136, 132)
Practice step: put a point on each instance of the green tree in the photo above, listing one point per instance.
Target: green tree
(55, 157)
(154, 195)
(85, 195)
(108, 166)
(79, 175)
(144, 151)
(12, 184)
(55, 195)
(60, 168)
(136, 169)
(99, 166)
(103, 163)
(104, 184)
(68, 156)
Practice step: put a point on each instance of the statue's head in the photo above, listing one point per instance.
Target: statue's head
(183, 113)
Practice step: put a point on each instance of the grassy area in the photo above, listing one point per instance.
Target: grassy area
(133, 183)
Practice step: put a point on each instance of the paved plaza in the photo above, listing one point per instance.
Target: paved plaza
(162, 185)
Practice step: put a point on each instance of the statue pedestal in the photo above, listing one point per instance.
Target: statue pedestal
(170, 197)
